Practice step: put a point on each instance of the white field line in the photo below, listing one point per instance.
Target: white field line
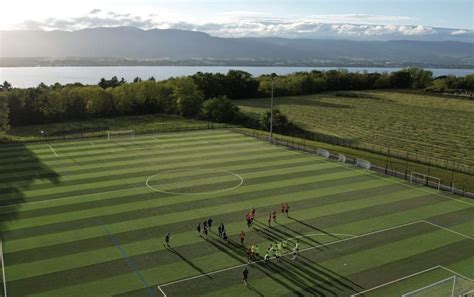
(162, 292)
(411, 275)
(397, 280)
(289, 253)
(403, 183)
(77, 196)
(3, 269)
(54, 152)
(449, 230)
(65, 198)
(200, 139)
(322, 245)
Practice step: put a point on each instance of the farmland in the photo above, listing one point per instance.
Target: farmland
(87, 218)
(432, 129)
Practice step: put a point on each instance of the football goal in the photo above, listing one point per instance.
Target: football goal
(453, 286)
(363, 163)
(120, 134)
(423, 179)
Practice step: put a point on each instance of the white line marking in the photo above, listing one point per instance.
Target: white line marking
(200, 139)
(403, 183)
(54, 152)
(289, 253)
(411, 275)
(65, 198)
(457, 273)
(197, 193)
(162, 292)
(449, 230)
(3, 269)
(394, 281)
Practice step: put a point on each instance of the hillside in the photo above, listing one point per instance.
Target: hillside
(134, 43)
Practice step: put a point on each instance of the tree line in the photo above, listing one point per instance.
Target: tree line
(202, 95)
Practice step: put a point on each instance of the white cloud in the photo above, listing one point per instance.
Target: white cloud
(248, 23)
(460, 32)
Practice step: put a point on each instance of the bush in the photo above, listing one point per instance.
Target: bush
(219, 109)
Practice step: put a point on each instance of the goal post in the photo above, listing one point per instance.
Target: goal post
(120, 134)
(453, 286)
(426, 180)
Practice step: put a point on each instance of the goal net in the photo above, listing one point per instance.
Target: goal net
(426, 180)
(323, 153)
(120, 134)
(342, 158)
(453, 286)
(363, 163)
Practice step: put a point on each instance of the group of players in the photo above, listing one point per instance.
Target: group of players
(253, 252)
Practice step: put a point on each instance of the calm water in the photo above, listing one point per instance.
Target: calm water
(31, 76)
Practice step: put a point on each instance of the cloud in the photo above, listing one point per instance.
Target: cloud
(248, 23)
(461, 32)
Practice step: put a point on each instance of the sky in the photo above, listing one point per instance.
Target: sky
(245, 17)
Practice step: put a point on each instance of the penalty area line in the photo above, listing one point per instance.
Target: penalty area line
(52, 149)
(287, 254)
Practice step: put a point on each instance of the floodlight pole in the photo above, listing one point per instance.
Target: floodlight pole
(271, 116)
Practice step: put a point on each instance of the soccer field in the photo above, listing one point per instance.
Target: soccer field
(88, 218)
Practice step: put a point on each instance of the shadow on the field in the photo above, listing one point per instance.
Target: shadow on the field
(313, 227)
(189, 262)
(331, 274)
(272, 270)
(275, 234)
(19, 169)
(252, 288)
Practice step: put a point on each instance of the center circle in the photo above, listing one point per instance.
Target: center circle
(194, 181)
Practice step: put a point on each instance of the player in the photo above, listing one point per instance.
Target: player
(220, 229)
(249, 254)
(267, 255)
(295, 253)
(269, 220)
(274, 216)
(167, 240)
(224, 236)
(198, 228)
(283, 209)
(278, 255)
(257, 251)
(245, 274)
(242, 237)
(287, 208)
(209, 223)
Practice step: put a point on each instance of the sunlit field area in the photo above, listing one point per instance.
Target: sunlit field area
(88, 218)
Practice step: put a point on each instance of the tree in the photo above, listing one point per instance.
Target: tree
(5, 86)
(187, 95)
(280, 121)
(219, 109)
(401, 79)
(420, 78)
(4, 113)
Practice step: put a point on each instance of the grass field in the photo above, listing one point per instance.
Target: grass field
(152, 122)
(430, 128)
(88, 217)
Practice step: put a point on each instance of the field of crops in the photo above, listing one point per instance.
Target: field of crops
(433, 129)
(88, 217)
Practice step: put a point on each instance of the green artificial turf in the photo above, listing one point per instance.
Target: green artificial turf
(78, 218)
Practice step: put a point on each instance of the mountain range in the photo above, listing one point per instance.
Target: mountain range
(156, 44)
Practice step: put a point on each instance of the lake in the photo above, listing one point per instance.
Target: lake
(23, 77)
